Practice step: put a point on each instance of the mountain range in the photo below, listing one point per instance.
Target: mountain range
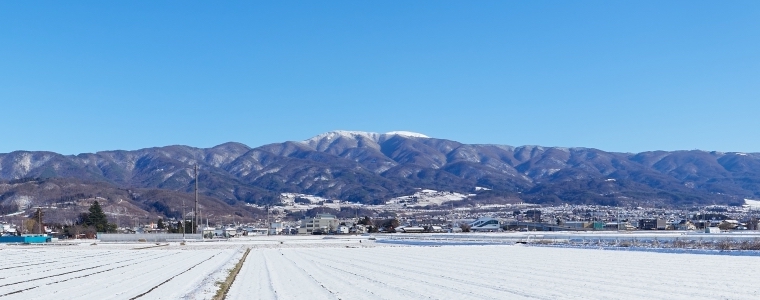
(370, 168)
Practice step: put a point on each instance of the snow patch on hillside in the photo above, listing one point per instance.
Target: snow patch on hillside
(289, 198)
(22, 201)
(427, 197)
(753, 204)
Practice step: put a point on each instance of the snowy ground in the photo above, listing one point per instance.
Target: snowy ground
(79, 272)
(316, 267)
(491, 272)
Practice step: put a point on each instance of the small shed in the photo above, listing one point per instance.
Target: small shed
(25, 239)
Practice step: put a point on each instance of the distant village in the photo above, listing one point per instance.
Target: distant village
(427, 211)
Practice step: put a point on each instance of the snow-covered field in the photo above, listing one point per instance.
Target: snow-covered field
(313, 267)
(491, 272)
(78, 272)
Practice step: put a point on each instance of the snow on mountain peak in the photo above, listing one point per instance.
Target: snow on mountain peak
(344, 133)
(408, 134)
(355, 134)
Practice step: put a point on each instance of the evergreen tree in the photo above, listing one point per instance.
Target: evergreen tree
(97, 218)
(160, 224)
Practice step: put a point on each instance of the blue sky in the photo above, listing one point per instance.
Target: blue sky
(619, 76)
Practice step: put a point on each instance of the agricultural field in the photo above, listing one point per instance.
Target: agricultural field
(357, 268)
(492, 272)
(79, 272)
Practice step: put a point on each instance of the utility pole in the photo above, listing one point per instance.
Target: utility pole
(183, 219)
(195, 212)
(39, 218)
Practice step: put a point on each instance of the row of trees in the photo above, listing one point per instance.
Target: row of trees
(386, 225)
(390, 224)
(179, 227)
(89, 223)
(176, 227)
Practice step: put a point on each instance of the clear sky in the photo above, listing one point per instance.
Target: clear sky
(624, 76)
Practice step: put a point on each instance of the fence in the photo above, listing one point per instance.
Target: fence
(147, 237)
(448, 239)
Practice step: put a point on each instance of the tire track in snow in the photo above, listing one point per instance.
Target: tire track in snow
(396, 276)
(66, 264)
(48, 262)
(269, 275)
(309, 274)
(434, 280)
(71, 272)
(165, 281)
(476, 269)
(77, 262)
(309, 289)
(339, 285)
(50, 276)
(133, 279)
(536, 270)
(111, 269)
(409, 293)
(29, 265)
(529, 276)
(255, 278)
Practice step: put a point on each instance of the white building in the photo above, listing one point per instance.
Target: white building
(208, 231)
(485, 224)
(410, 229)
(275, 228)
(226, 231)
(358, 229)
(257, 231)
(322, 224)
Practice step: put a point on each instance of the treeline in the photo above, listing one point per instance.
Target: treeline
(74, 197)
(23, 180)
(342, 213)
(88, 224)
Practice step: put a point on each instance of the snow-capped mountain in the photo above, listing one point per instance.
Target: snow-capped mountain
(341, 139)
(374, 167)
(332, 135)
